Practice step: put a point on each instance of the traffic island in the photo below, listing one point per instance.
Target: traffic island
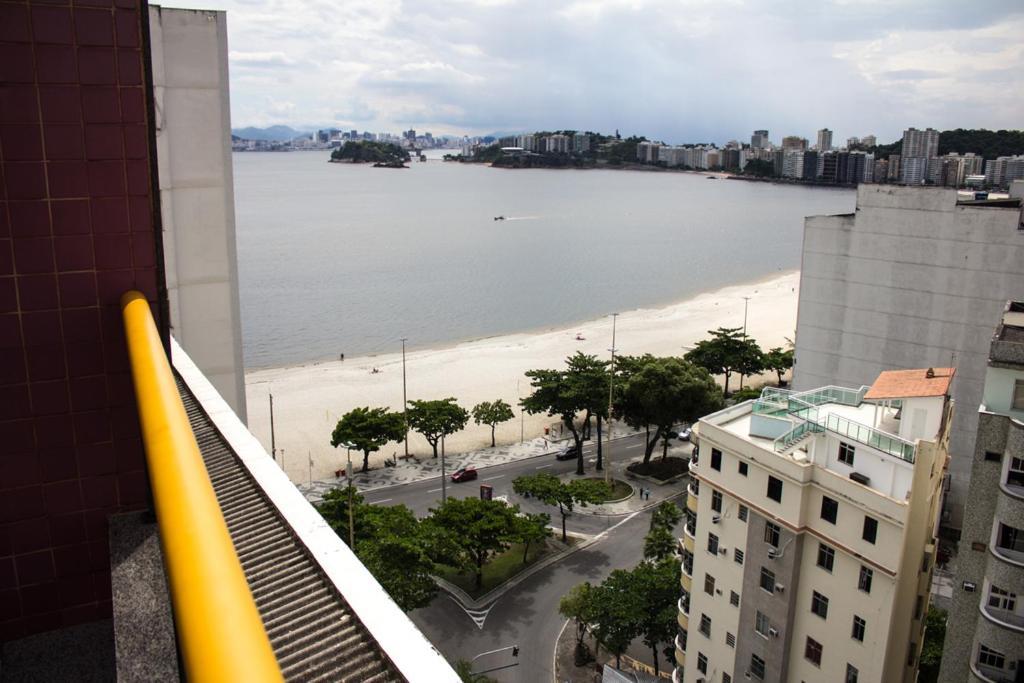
(660, 470)
(503, 566)
(620, 490)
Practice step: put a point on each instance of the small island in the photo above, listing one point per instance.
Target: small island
(380, 154)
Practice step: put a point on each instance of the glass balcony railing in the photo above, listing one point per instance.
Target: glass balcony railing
(893, 445)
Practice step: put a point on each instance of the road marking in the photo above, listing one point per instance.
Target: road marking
(433, 490)
(479, 616)
(378, 502)
(636, 445)
(493, 478)
(554, 655)
(540, 467)
(616, 526)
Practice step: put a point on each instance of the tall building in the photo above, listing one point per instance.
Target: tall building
(1000, 172)
(647, 152)
(808, 544)
(918, 147)
(794, 142)
(895, 167)
(893, 284)
(759, 139)
(558, 144)
(824, 140)
(869, 141)
(914, 170)
(985, 629)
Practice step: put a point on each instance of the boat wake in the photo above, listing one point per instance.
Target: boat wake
(521, 218)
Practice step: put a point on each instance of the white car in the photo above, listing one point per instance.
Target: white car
(684, 434)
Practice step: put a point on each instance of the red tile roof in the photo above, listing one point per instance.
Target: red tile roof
(911, 383)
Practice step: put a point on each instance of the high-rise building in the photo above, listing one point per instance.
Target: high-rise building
(558, 144)
(863, 308)
(895, 167)
(647, 152)
(808, 543)
(793, 164)
(824, 140)
(794, 142)
(914, 170)
(919, 145)
(1000, 172)
(869, 141)
(985, 629)
(759, 139)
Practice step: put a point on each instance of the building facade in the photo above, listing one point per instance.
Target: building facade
(824, 143)
(809, 538)
(918, 147)
(913, 277)
(985, 629)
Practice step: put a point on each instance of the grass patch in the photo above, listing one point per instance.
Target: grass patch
(502, 567)
(620, 489)
(661, 468)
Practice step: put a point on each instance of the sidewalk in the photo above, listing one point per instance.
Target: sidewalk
(406, 472)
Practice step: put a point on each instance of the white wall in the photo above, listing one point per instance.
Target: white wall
(907, 282)
(190, 79)
(999, 383)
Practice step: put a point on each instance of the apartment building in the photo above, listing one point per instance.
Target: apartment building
(810, 533)
(985, 632)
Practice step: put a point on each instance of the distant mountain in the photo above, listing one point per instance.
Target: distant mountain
(278, 133)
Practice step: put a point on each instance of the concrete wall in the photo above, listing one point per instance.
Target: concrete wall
(193, 135)
(998, 395)
(909, 280)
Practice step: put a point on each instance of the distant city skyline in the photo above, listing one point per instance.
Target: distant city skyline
(680, 72)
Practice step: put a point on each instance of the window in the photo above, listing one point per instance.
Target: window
(829, 509)
(744, 512)
(1018, 395)
(819, 604)
(812, 651)
(712, 544)
(990, 657)
(726, 678)
(851, 674)
(864, 580)
(918, 607)
(771, 534)
(1010, 538)
(992, 456)
(870, 529)
(716, 501)
(709, 584)
(695, 483)
(716, 459)
(684, 638)
(702, 663)
(738, 556)
(757, 667)
(858, 628)
(826, 557)
(730, 640)
(734, 598)
(742, 468)
(705, 625)
(846, 453)
(1015, 475)
(775, 489)
(762, 624)
(768, 580)
(912, 654)
(1000, 599)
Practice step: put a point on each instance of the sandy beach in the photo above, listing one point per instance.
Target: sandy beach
(309, 399)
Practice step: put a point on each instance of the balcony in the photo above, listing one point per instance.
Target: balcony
(683, 620)
(991, 674)
(677, 673)
(1001, 617)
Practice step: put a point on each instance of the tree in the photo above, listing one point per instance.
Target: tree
(931, 650)
(436, 419)
(660, 392)
(533, 528)
(655, 587)
(390, 542)
(492, 414)
(367, 430)
(779, 360)
(581, 387)
(728, 351)
(615, 614)
(551, 490)
(474, 530)
(578, 605)
(660, 543)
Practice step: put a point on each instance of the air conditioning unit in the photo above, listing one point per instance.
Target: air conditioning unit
(722, 551)
(772, 553)
(746, 674)
(779, 588)
(715, 519)
(860, 478)
(773, 632)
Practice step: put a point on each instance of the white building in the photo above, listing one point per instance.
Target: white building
(793, 164)
(1002, 171)
(647, 152)
(918, 147)
(558, 144)
(914, 170)
(809, 540)
(824, 140)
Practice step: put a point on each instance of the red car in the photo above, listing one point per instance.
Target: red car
(464, 474)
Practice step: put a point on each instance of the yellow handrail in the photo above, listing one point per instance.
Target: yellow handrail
(220, 633)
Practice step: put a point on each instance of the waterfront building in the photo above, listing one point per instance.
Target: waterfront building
(730, 158)
(581, 143)
(558, 144)
(794, 142)
(869, 168)
(778, 161)
(647, 152)
(852, 142)
(759, 139)
(895, 169)
(913, 170)
(824, 143)
(712, 158)
(869, 141)
(881, 172)
(918, 147)
(808, 544)
(672, 155)
(913, 276)
(1001, 171)
(109, 423)
(985, 628)
(793, 164)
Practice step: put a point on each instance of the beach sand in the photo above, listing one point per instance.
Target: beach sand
(309, 399)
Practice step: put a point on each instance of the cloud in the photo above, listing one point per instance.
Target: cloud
(260, 59)
(910, 74)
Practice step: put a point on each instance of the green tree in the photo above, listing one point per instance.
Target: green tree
(615, 618)
(660, 392)
(578, 605)
(551, 490)
(492, 414)
(474, 530)
(367, 430)
(362, 151)
(581, 388)
(660, 543)
(779, 360)
(390, 542)
(745, 394)
(931, 649)
(533, 528)
(436, 419)
(655, 587)
(728, 351)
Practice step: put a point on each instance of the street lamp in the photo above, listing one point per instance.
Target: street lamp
(348, 472)
(405, 403)
(746, 301)
(611, 395)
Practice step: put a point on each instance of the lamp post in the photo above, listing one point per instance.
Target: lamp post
(444, 484)
(611, 397)
(273, 444)
(746, 300)
(405, 403)
(351, 524)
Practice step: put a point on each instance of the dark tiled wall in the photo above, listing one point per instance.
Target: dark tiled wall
(76, 231)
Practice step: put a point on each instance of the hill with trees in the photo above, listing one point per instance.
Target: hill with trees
(366, 151)
(985, 143)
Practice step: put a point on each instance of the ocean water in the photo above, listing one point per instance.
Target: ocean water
(339, 258)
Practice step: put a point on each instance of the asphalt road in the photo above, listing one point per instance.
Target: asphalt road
(423, 495)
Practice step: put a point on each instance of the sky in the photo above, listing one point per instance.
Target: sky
(673, 70)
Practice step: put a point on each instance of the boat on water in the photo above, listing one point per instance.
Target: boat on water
(499, 218)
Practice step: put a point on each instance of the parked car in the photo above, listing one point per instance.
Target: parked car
(684, 433)
(567, 453)
(464, 474)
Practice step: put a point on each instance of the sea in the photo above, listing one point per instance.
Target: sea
(349, 259)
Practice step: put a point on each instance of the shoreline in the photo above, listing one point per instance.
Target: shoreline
(310, 397)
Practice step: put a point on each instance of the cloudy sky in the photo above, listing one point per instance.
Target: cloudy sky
(675, 70)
